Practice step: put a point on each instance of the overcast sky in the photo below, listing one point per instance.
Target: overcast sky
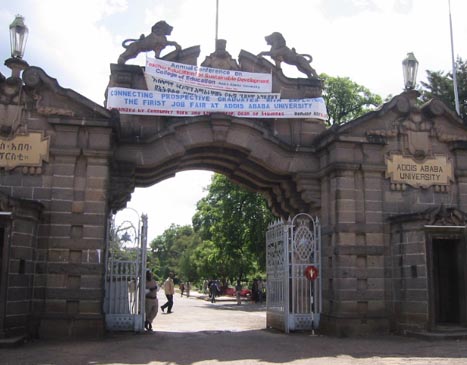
(366, 40)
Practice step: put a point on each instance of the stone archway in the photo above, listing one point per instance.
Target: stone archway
(348, 175)
(248, 154)
(274, 157)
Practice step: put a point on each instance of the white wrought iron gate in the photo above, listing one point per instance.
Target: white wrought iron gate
(125, 275)
(293, 267)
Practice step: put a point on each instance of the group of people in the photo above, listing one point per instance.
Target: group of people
(151, 301)
(185, 287)
(213, 286)
(258, 290)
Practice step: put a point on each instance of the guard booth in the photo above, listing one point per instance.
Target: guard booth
(125, 278)
(293, 264)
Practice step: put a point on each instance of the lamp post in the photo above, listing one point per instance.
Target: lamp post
(18, 37)
(409, 69)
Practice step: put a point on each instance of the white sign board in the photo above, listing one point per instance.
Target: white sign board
(145, 102)
(167, 86)
(213, 78)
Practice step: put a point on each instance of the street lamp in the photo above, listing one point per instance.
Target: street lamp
(18, 37)
(409, 69)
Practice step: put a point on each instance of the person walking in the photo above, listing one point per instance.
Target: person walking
(169, 289)
(215, 291)
(260, 290)
(151, 302)
(187, 288)
(238, 290)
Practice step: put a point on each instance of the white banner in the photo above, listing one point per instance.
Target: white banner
(167, 86)
(213, 78)
(144, 102)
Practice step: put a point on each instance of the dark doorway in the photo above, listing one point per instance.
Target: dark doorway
(3, 255)
(448, 280)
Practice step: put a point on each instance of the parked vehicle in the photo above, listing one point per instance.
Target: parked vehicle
(230, 291)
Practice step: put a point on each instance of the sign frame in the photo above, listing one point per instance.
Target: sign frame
(430, 171)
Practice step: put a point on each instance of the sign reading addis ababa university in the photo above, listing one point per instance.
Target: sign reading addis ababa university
(213, 78)
(145, 102)
(431, 171)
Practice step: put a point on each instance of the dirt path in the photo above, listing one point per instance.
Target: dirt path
(201, 333)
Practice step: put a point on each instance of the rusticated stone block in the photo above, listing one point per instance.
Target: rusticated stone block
(58, 255)
(55, 280)
(91, 282)
(74, 282)
(90, 307)
(72, 306)
(76, 256)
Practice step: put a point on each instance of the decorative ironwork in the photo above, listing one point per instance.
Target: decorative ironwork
(293, 301)
(125, 275)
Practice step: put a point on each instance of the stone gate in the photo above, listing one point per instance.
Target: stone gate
(390, 189)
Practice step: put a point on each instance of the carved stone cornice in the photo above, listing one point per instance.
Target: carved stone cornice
(435, 216)
(50, 99)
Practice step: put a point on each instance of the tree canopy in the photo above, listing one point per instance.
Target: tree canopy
(227, 240)
(440, 85)
(170, 252)
(234, 220)
(347, 100)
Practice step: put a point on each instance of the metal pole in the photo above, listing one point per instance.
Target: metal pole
(143, 251)
(454, 71)
(217, 22)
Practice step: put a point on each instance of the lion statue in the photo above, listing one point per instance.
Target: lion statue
(281, 53)
(156, 41)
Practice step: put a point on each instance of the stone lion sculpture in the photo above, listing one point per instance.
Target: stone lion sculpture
(279, 52)
(156, 41)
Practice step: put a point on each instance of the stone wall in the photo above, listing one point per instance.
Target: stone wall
(19, 223)
(374, 236)
(72, 236)
(56, 271)
(409, 276)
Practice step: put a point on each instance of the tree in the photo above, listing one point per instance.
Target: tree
(234, 222)
(170, 252)
(440, 85)
(347, 100)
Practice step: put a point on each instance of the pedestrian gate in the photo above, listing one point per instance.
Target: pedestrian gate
(293, 250)
(125, 276)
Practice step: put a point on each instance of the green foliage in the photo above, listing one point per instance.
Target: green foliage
(440, 85)
(171, 252)
(234, 222)
(347, 100)
(227, 241)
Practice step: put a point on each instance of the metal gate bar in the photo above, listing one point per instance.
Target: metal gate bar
(124, 280)
(293, 301)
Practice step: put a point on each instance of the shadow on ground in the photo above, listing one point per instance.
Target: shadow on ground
(252, 347)
(246, 307)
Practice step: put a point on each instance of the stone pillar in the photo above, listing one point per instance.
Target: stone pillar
(73, 235)
(353, 253)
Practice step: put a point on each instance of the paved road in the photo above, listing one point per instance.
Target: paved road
(201, 333)
(196, 315)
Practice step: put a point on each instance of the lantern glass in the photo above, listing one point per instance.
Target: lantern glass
(409, 69)
(18, 37)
